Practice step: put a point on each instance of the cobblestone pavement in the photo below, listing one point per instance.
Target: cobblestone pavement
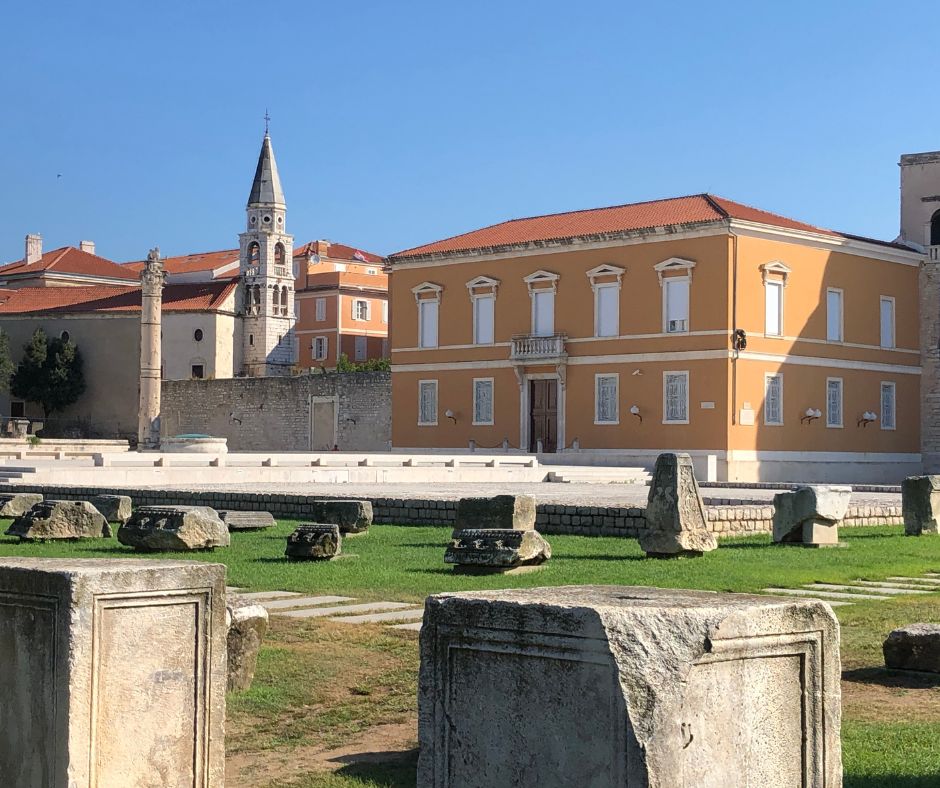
(573, 494)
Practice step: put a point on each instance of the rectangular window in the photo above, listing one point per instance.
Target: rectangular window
(427, 323)
(773, 399)
(360, 309)
(607, 310)
(483, 400)
(361, 348)
(321, 346)
(385, 311)
(198, 371)
(484, 313)
(675, 397)
(834, 402)
(834, 315)
(887, 322)
(888, 406)
(606, 399)
(676, 305)
(427, 403)
(543, 312)
(773, 312)
(321, 310)
(18, 409)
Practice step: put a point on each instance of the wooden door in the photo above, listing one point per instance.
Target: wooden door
(543, 419)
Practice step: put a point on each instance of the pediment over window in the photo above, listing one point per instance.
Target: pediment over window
(775, 267)
(427, 290)
(674, 265)
(540, 277)
(605, 270)
(482, 281)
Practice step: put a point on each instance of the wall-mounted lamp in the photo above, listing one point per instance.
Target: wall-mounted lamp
(450, 414)
(635, 410)
(637, 372)
(810, 415)
(867, 418)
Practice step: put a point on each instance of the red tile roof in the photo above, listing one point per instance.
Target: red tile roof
(69, 260)
(695, 209)
(338, 252)
(195, 297)
(190, 263)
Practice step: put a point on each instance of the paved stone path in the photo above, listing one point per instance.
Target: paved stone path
(837, 594)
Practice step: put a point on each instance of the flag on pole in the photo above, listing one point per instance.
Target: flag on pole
(360, 256)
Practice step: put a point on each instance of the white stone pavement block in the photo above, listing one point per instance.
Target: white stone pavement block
(876, 590)
(301, 601)
(319, 612)
(918, 580)
(373, 618)
(624, 686)
(826, 595)
(258, 596)
(114, 672)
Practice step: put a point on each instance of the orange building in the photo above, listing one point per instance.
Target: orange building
(767, 348)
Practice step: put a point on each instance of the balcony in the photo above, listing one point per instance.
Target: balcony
(530, 349)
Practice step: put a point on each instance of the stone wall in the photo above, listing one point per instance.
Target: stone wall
(733, 520)
(302, 413)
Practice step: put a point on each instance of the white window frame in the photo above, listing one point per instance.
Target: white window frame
(535, 282)
(475, 299)
(894, 322)
(598, 376)
(385, 311)
(841, 293)
(421, 385)
(491, 420)
(326, 348)
(355, 310)
(534, 299)
(894, 403)
(767, 377)
(841, 423)
(615, 286)
(666, 375)
(420, 294)
(320, 310)
(779, 286)
(688, 316)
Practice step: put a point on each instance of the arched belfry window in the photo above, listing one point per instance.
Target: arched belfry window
(276, 297)
(257, 298)
(254, 253)
(279, 254)
(935, 229)
(284, 300)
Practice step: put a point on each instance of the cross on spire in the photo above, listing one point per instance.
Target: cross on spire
(267, 120)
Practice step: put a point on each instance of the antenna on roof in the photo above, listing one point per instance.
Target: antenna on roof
(267, 120)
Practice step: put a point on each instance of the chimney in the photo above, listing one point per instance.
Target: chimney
(323, 248)
(33, 247)
(87, 246)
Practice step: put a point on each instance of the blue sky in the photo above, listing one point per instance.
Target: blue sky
(399, 123)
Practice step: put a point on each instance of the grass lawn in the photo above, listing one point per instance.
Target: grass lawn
(333, 705)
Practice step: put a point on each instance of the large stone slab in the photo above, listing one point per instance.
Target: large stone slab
(113, 673)
(920, 505)
(314, 542)
(17, 504)
(352, 517)
(115, 508)
(246, 521)
(247, 622)
(810, 515)
(676, 524)
(174, 528)
(500, 511)
(621, 686)
(60, 520)
(496, 549)
(914, 647)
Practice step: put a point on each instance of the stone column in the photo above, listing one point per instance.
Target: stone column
(152, 278)
(930, 365)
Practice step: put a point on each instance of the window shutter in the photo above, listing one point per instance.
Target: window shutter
(608, 313)
(677, 305)
(834, 316)
(888, 409)
(483, 314)
(544, 313)
(887, 322)
(428, 403)
(428, 314)
(773, 292)
(834, 403)
(773, 400)
(606, 405)
(676, 397)
(483, 401)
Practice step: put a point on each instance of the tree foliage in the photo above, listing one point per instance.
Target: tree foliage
(343, 364)
(6, 362)
(50, 373)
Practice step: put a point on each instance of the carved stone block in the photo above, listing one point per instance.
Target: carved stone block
(914, 647)
(17, 504)
(496, 549)
(246, 521)
(500, 511)
(676, 524)
(114, 673)
(630, 687)
(115, 508)
(60, 520)
(810, 515)
(315, 542)
(920, 504)
(178, 528)
(352, 517)
(247, 623)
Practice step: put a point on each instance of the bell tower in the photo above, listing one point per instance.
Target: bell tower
(266, 267)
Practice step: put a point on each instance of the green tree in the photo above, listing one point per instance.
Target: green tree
(50, 373)
(343, 364)
(6, 362)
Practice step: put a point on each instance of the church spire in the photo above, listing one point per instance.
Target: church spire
(266, 188)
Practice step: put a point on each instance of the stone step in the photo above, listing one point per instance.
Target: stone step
(232, 589)
(365, 607)
(260, 595)
(918, 588)
(929, 581)
(304, 601)
(821, 596)
(415, 627)
(877, 589)
(373, 618)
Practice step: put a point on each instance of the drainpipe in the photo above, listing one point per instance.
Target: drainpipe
(734, 325)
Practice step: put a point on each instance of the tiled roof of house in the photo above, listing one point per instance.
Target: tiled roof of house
(675, 211)
(195, 297)
(337, 252)
(190, 263)
(69, 260)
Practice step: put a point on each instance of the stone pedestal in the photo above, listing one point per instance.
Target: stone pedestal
(621, 686)
(114, 673)
(810, 515)
(500, 511)
(314, 542)
(920, 504)
(246, 521)
(247, 623)
(352, 517)
(914, 647)
(486, 550)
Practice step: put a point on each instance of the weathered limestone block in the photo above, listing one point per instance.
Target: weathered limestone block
(920, 505)
(174, 528)
(247, 622)
(115, 508)
(352, 517)
(810, 515)
(600, 686)
(500, 511)
(60, 520)
(246, 521)
(114, 673)
(914, 647)
(17, 504)
(676, 524)
(496, 549)
(314, 541)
